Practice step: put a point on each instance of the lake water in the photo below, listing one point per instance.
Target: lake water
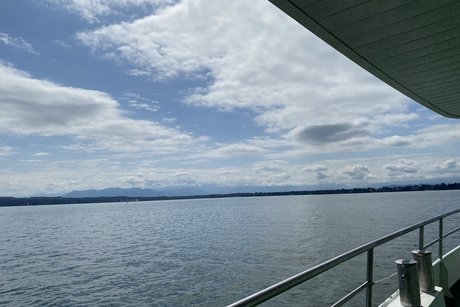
(208, 252)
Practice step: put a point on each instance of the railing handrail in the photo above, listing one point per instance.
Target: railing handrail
(282, 286)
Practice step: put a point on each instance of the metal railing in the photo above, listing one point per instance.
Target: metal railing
(278, 288)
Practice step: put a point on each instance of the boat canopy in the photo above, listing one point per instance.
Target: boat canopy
(414, 46)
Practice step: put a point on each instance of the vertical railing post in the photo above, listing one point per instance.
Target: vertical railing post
(421, 237)
(440, 239)
(370, 276)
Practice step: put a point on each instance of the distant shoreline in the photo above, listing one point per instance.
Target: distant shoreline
(34, 201)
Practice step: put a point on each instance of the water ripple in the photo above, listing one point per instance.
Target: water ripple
(200, 252)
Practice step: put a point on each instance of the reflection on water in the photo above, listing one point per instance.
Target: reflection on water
(203, 252)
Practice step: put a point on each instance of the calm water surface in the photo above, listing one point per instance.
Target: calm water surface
(207, 252)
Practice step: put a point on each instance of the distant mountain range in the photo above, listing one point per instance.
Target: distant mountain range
(186, 191)
(213, 189)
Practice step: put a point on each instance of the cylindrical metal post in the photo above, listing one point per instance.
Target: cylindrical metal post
(409, 290)
(424, 267)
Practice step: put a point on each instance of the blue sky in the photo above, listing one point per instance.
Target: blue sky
(155, 94)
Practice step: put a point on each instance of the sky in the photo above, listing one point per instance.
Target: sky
(197, 93)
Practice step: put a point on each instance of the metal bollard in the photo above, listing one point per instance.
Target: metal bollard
(409, 290)
(424, 267)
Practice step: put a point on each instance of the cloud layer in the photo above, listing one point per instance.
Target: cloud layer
(43, 108)
(310, 115)
(268, 64)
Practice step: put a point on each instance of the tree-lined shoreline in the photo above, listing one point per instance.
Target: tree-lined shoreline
(34, 201)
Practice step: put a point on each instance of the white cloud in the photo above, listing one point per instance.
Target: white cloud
(228, 151)
(6, 151)
(270, 65)
(267, 63)
(169, 120)
(139, 102)
(270, 168)
(256, 149)
(17, 42)
(41, 154)
(434, 135)
(92, 10)
(43, 108)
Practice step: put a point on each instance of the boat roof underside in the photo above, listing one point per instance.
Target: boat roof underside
(414, 46)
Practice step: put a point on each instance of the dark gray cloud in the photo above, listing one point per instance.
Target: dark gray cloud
(357, 172)
(319, 170)
(322, 134)
(321, 175)
(400, 143)
(449, 166)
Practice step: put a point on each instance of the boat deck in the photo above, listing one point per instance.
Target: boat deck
(455, 291)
